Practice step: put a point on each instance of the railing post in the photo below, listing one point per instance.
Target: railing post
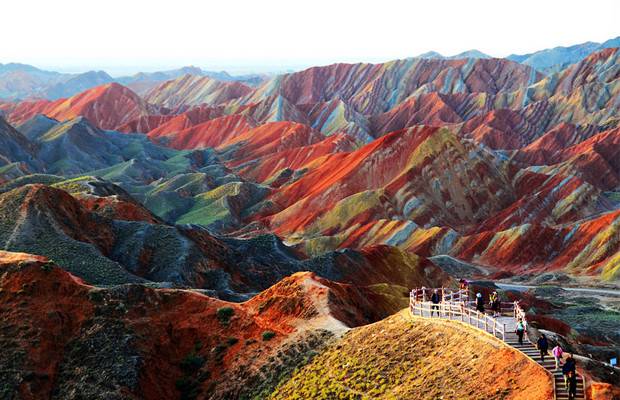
(515, 307)
(504, 333)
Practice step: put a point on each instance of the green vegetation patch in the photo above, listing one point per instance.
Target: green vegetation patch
(224, 314)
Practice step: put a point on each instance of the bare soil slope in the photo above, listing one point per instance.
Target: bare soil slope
(400, 359)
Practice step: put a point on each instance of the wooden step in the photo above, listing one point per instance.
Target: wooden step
(560, 388)
(530, 350)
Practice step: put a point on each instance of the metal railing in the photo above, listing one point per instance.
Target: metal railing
(519, 314)
(459, 312)
(446, 294)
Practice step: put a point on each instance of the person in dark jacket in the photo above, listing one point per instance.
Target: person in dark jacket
(435, 299)
(572, 386)
(495, 304)
(479, 302)
(543, 346)
(568, 367)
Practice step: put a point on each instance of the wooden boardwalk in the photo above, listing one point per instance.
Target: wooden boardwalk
(457, 308)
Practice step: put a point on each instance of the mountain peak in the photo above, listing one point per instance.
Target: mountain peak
(430, 54)
(473, 53)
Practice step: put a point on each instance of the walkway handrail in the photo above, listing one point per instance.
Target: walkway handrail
(460, 311)
(472, 317)
(455, 305)
(446, 294)
(519, 314)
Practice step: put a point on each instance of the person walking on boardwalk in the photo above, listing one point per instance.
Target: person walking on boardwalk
(572, 385)
(557, 353)
(435, 299)
(543, 346)
(568, 367)
(464, 286)
(520, 331)
(495, 305)
(479, 302)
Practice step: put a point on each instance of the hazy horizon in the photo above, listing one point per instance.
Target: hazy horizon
(274, 36)
(237, 69)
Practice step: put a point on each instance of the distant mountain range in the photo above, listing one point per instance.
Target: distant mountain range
(557, 58)
(547, 61)
(22, 81)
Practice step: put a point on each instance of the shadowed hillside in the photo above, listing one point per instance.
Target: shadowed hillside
(61, 337)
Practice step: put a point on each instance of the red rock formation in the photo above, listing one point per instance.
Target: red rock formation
(375, 88)
(395, 164)
(107, 107)
(145, 123)
(583, 247)
(271, 138)
(260, 167)
(430, 109)
(570, 150)
(175, 334)
(545, 150)
(195, 90)
(181, 133)
(117, 208)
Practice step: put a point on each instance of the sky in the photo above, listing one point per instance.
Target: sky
(126, 36)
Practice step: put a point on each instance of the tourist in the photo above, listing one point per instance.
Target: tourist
(479, 302)
(568, 367)
(520, 331)
(435, 299)
(557, 353)
(543, 347)
(572, 385)
(495, 304)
